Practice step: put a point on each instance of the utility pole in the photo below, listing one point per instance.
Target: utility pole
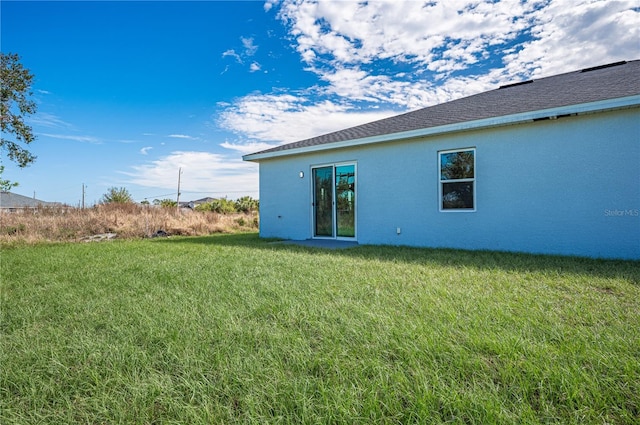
(83, 195)
(178, 199)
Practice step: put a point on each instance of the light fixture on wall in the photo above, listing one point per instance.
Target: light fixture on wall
(301, 174)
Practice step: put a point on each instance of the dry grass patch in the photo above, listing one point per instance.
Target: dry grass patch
(126, 220)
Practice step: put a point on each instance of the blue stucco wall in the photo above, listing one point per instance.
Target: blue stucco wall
(569, 186)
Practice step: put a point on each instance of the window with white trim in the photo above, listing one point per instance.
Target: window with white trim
(457, 171)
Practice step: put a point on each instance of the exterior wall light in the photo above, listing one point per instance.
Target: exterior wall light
(301, 174)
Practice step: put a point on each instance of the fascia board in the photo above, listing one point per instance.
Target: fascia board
(578, 109)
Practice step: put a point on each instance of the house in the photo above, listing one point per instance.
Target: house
(193, 204)
(11, 202)
(545, 166)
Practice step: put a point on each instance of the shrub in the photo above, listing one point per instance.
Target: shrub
(165, 203)
(246, 204)
(116, 195)
(220, 206)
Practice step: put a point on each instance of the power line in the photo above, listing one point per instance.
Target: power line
(158, 196)
(182, 193)
(224, 191)
(196, 192)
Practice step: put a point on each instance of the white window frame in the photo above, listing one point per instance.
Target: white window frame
(442, 182)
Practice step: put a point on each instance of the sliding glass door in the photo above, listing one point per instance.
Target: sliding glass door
(345, 185)
(323, 201)
(334, 201)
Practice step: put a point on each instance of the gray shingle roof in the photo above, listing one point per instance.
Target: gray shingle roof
(10, 200)
(612, 81)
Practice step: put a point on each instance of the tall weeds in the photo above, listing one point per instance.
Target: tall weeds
(125, 220)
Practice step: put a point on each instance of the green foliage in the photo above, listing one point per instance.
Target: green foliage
(233, 329)
(165, 203)
(15, 90)
(245, 222)
(203, 207)
(246, 204)
(457, 165)
(223, 206)
(115, 195)
(220, 206)
(6, 185)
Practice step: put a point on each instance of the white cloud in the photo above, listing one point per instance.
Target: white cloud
(255, 66)
(268, 4)
(376, 58)
(339, 40)
(182, 136)
(203, 172)
(357, 85)
(571, 35)
(250, 49)
(145, 150)
(83, 139)
(247, 148)
(232, 53)
(287, 118)
(350, 32)
(46, 119)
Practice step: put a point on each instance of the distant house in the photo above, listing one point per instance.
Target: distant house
(544, 166)
(11, 202)
(197, 202)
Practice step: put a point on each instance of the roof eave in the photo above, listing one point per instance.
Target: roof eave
(577, 109)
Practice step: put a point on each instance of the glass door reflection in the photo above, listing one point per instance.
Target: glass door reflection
(334, 201)
(345, 201)
(323, 201)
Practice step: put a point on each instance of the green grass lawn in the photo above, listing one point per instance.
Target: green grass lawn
(233, 329)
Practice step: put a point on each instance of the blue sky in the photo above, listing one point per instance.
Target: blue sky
(128, 93)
